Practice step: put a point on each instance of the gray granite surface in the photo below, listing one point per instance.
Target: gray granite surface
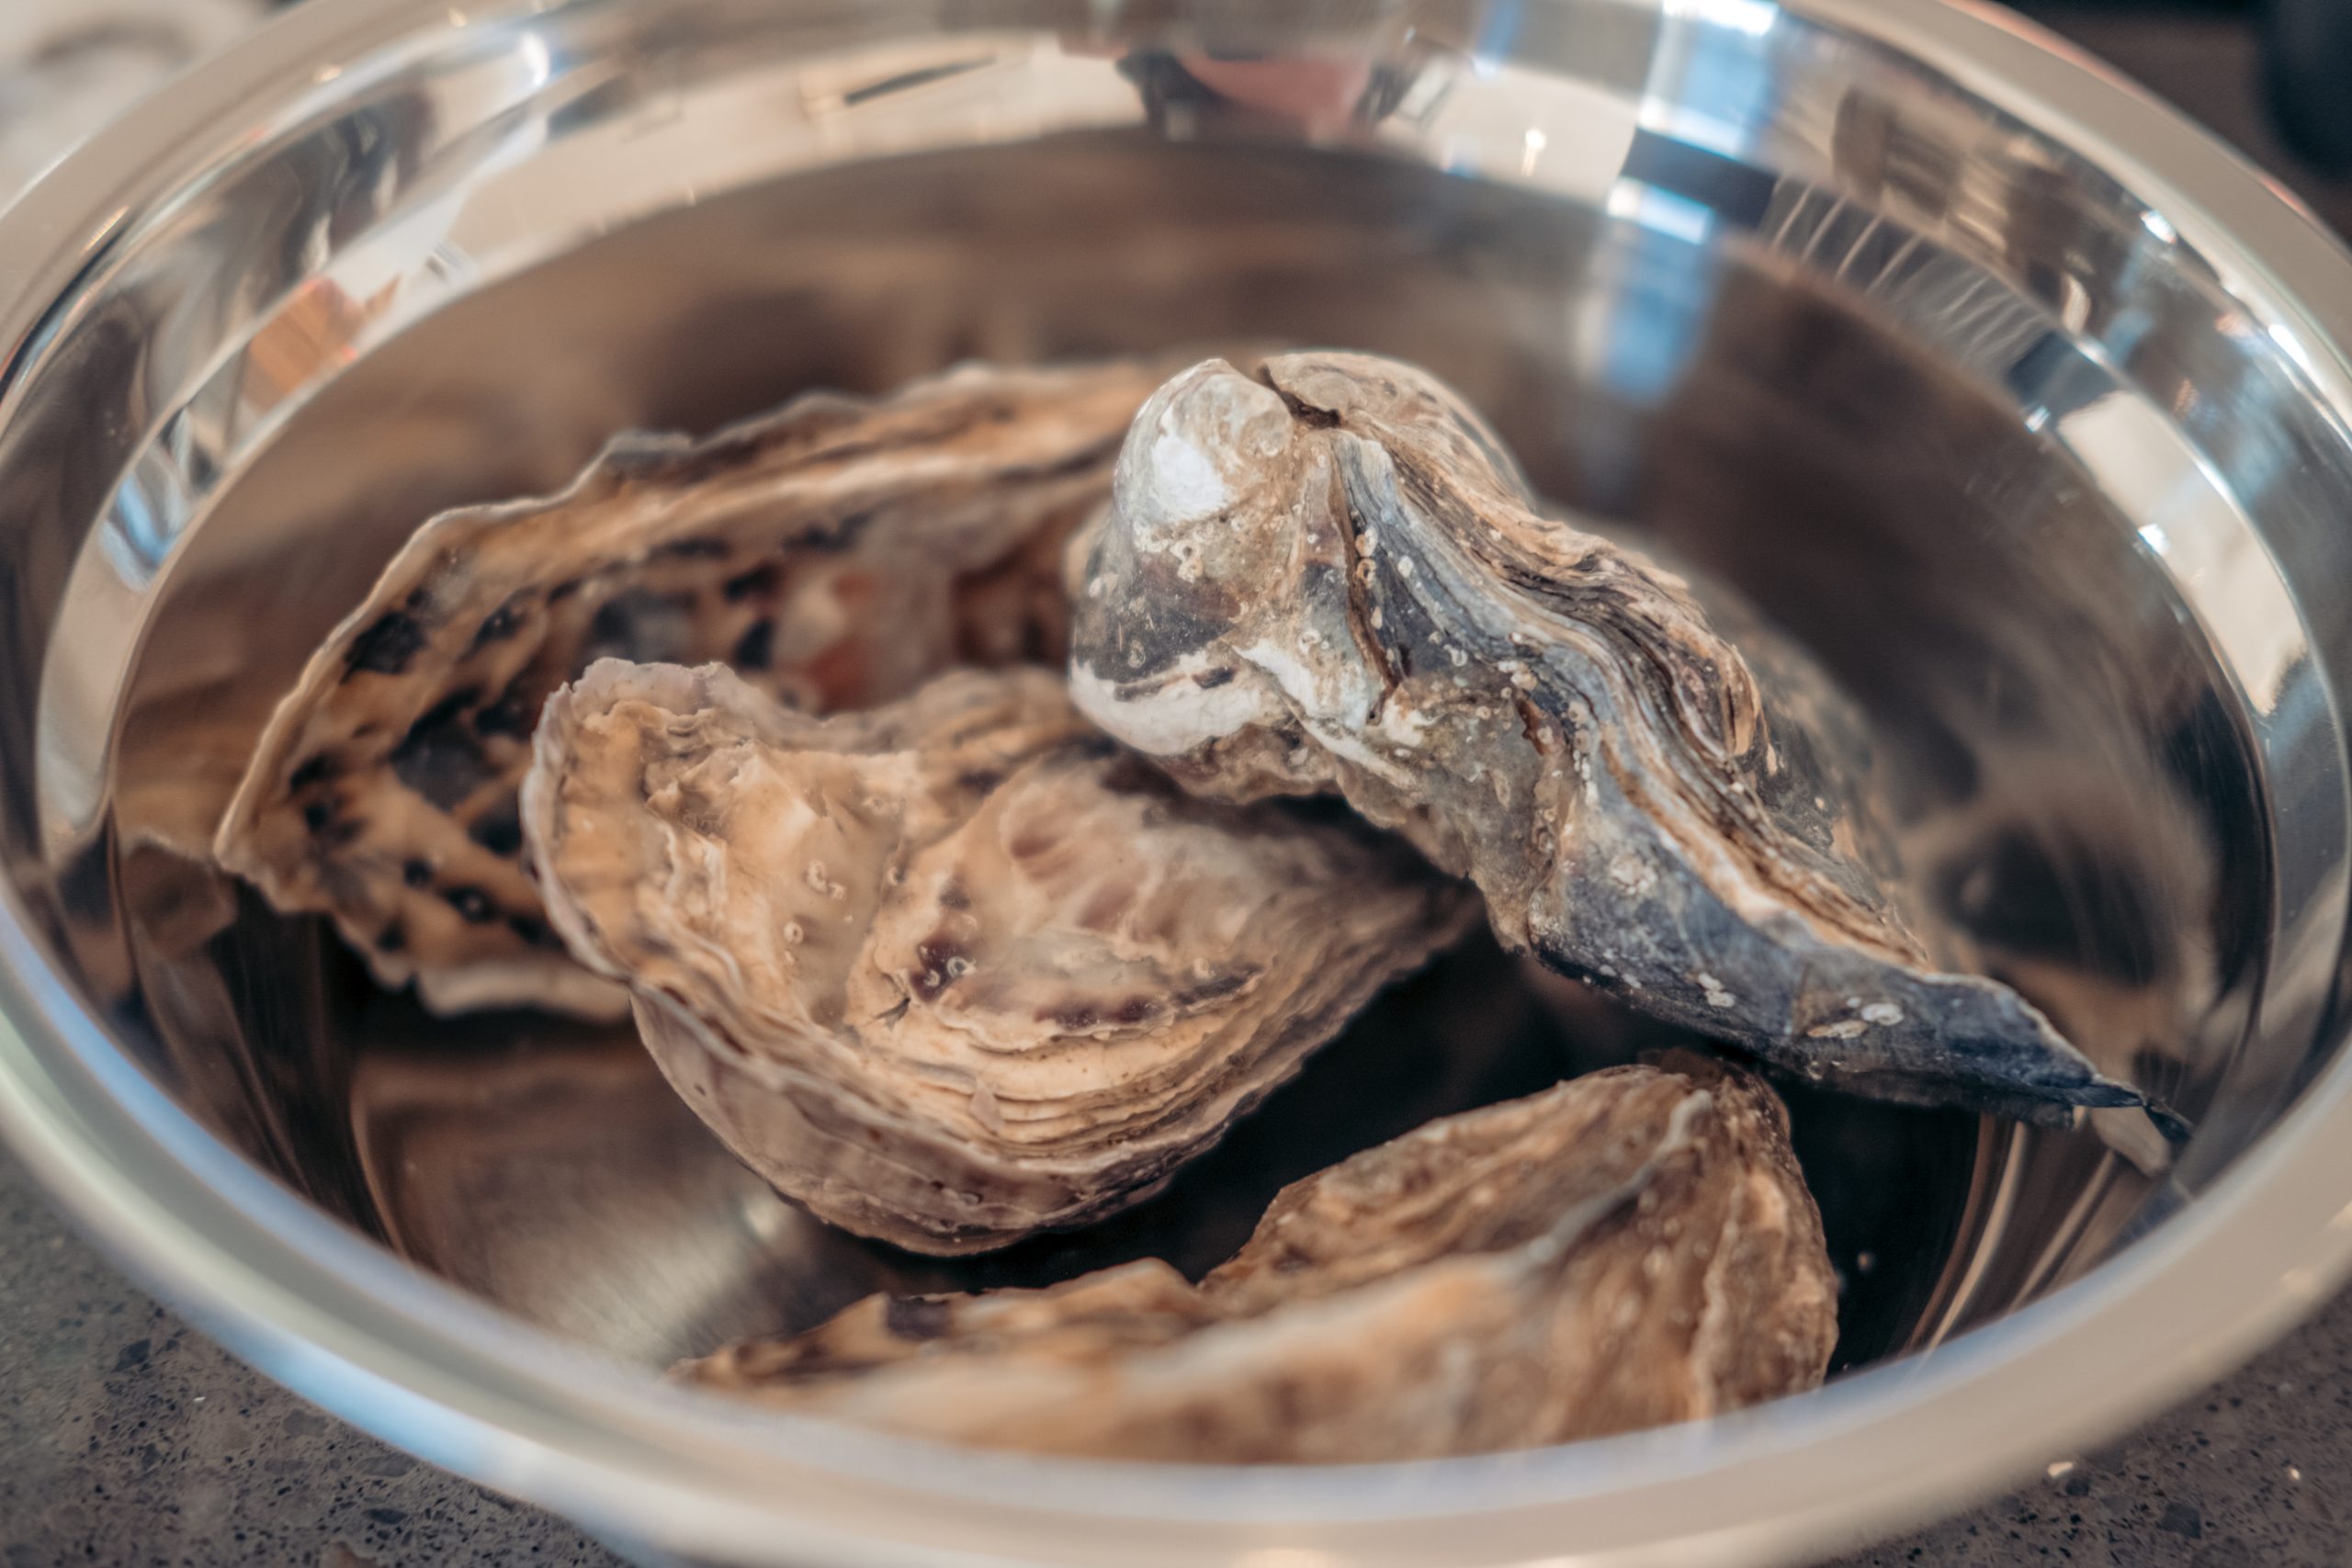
(128, 1438)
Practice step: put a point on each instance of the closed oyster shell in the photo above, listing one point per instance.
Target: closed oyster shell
(1329, 574)
(839, 552)
(1629, 1248)
(956, 968)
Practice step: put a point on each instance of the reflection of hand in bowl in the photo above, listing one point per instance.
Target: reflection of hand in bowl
(1320, 94)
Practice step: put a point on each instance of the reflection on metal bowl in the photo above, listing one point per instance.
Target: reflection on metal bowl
(2016, 401)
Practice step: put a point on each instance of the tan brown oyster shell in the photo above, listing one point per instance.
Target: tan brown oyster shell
(838, 551)
(1632, 1248)
(956, 968)
(1328, 574)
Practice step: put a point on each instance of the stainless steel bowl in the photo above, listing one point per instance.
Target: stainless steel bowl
(2021, 401)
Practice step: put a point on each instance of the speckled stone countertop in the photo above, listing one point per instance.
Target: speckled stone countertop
(128, 1438)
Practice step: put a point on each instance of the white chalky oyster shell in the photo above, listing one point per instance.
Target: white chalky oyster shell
(956, 968)
(1330, 575)
(838, 551)
(1630, 1249)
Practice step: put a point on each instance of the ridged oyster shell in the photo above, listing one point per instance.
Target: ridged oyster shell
(956, 968)
(1328, 574)
(1629, 1248)
(838, 551)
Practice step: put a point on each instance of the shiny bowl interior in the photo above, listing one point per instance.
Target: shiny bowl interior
(2039, 443)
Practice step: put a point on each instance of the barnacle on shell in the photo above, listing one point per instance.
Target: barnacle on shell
(1629, 1248)
(838, 552)
(1328, 574)
(954, 968)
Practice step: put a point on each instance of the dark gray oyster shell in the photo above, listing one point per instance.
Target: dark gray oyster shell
(1328, 574)
(839, 552)
(956, 968)
(1629, 1248)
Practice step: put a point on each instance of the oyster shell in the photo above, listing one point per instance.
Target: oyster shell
(956, 968)
(1629, 1248)
(838, 551)
(1329, 574)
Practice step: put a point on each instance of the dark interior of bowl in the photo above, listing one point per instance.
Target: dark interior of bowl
(2072, 755)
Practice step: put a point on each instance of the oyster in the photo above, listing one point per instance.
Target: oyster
(838, 551)
(1628, 1248)
(956, 968)
(1329, 574)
